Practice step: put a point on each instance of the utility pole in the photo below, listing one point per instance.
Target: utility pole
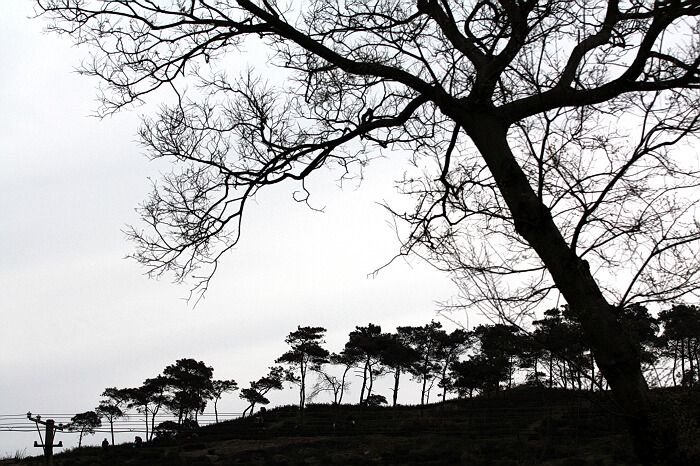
(48, 444)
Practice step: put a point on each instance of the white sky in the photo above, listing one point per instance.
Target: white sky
(75, 317)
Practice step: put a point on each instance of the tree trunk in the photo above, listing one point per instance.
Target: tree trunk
(397, 376)
(364, 382)
(146, 410)
(691, 362)
(683, 382)
(342, 385)
(615, 354)
(696, 343)
(510, 371)
(370, 385)
(302, 392)
(153, 423)
(675, 365)
(111, 428)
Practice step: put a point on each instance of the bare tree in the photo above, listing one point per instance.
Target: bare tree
(327, 382)
(542, 134)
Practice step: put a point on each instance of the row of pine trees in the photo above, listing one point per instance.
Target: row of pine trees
(552, 353)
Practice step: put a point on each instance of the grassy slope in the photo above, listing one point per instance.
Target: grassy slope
(520, 426)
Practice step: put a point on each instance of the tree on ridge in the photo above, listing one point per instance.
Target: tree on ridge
(85, 423)
(365, 346)
(256, 393)
(306, 354)
(111, 406)
(219, 387)
(190, 387)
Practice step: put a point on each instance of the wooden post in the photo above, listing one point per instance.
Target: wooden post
(48, 445)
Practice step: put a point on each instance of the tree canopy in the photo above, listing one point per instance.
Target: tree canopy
(255, 394)
(85, 423)
(190, 385)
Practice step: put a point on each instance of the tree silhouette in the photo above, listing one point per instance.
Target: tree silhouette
(450, 347)
(400, 357)
(500, 344)
(346, 361)
(139, 399)
(111, 407)
(327, 382)
(479, 372)
(365, 345)
(85, 423)
(218, 388)
(542, 133)
(306, 354)
(190, 385)
(374, 400)
(148, 399)
(643, 330)
(681, 335)
(255, 394)
(577, 360)
(425, 341)
(550, 338)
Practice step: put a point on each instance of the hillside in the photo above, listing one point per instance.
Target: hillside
(520, 426)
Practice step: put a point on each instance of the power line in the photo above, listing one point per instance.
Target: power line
(132, 422)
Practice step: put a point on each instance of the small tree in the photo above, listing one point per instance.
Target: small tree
(111, 407)
(305, 354)
(346, 361)
(167, 430)
(258, 389)
(328, 382)
(374, 401)
(85, 423)
(218, 388)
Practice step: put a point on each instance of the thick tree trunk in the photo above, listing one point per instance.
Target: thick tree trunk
(614, 353)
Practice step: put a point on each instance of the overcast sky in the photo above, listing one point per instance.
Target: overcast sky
(76, 317)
